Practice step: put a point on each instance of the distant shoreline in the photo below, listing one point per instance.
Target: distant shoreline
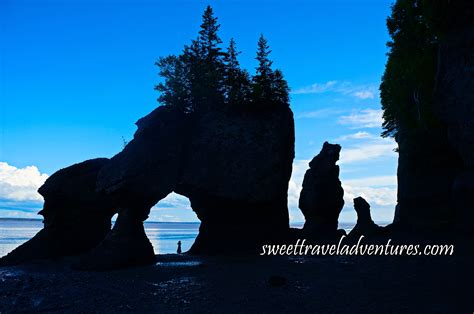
(174, 222)
(40, 219)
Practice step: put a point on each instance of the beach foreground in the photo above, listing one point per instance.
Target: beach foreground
(435, 284)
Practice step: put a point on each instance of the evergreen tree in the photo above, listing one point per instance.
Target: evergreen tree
(204, 78)
(175, 89)
(237, 81)
(269, 87)
(232, 63)
(209, 40)
(280, 89)
(262, 80)
(208, 64)
(406, 90)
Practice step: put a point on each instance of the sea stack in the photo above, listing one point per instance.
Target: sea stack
(321, 199)
(76, 217)
(365, 226)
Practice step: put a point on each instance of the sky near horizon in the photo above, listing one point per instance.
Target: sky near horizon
(76, 75)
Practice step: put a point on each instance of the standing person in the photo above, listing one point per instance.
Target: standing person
(179, 248)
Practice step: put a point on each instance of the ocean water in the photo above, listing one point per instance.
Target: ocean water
(163, 235)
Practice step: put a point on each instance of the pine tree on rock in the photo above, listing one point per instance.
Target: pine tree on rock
(204, 78)
(269, 87)
(262, 81)
(175, 88)
(280, 89)
(237, 81)
(208, 64)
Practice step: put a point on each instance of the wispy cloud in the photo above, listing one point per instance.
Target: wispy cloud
(20, 184)
(368, 151)
(367, 118)
(355, 136)
(364, 94)
(378, 181)
(173, 201)
(378, 190)
(359, 91)
(320, 113)
(316, 88)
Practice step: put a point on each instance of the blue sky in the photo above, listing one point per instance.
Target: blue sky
(75, 76)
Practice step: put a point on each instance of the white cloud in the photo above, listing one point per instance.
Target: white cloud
(173, 201)
(355, 136)
(378, 190)
(367, 91)
(321, 113)
(20, 184)
(378, 181)
(364, 94)
(294, 189)
(367, 118)
(369, 150)
(316, 88)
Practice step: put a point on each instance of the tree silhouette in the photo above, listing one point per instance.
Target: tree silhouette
(237, 81)
(175, 90)
(406, 90)
(269, 87)
(204, 78)
(262, 81)
(207, 64)
(280, 89)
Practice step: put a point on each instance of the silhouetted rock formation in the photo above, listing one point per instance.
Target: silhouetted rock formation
(236, 176)
(436, 167)
(233, 166)
(427, 166)
(454, 93)
(365, 225)
(321, 199)
(143, 173)
(76, 217)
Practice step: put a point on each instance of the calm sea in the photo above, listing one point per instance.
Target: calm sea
(163, 235)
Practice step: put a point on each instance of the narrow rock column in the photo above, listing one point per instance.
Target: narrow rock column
(321, 199)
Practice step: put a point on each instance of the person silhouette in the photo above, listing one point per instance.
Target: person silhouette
(179, 248)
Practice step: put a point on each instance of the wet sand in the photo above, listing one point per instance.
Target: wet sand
(441, 284)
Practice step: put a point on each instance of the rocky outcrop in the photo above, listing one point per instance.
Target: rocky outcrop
(233, 166)
(236, 176)
(436, 167)
(427, 166)
(321, 199)
(365, 226)
(454, 93)
(76, 217)
(144, 172)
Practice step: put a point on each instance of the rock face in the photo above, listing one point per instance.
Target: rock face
(233, 166)
(236, 176)
(436, 168)
(321, 199)
(365, 226)
(427, 166)
(455, 102)
(143, 173)
(76, 217)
